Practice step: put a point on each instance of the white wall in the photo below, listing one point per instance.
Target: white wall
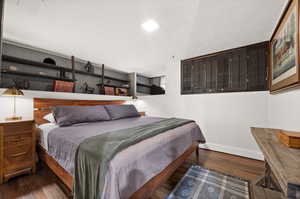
(24, 107)
(225, 119)
(284, 110)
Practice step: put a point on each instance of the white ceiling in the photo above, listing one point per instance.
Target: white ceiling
(109, 31)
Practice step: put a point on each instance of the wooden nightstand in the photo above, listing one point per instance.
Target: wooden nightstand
(17, 148)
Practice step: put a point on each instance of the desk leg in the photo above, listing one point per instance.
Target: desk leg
(267, 180)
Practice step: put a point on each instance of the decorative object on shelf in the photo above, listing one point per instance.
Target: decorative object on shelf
(285, 49)
(122, 91)
(62, 73)
(12, 68)
(13, 92)
(22, 83)
(89, 67)
(42, 73)
(87, 89)
(109, 90)
(49, 60)
(107, 81)
(125, 85)
(157, 90)
(62, 86)
(289, 138)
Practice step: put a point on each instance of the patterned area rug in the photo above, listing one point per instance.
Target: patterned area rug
(201, 183)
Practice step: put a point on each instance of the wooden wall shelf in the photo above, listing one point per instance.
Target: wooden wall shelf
(144, 85)
(35, 75)
(34, 63)
(54, 67)
(98, 75)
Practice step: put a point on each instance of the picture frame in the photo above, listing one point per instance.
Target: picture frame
(284, 50)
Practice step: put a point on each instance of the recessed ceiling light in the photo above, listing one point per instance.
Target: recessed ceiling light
(150, 25)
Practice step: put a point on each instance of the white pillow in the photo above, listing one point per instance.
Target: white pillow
(49, 117)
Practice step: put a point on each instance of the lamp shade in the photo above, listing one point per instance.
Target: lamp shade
(12, 92)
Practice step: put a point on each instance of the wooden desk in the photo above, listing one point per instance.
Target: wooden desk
(282, 164)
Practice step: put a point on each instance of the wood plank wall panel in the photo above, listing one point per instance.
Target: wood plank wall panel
(241, 69)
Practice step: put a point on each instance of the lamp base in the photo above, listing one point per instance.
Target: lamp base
(13, 118)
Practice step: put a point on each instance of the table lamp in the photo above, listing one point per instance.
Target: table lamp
(13, 92)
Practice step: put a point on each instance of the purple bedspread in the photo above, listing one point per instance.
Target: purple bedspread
(132, 167)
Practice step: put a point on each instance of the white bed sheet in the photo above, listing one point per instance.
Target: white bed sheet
(44, 131)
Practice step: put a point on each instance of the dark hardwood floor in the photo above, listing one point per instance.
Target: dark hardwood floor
(44, 185)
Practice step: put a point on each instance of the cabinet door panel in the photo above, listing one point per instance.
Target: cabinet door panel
(223, 74)
(252, 68)
(257, 67)
(234, 69)
(226, 80)
(186, 77)
(262, 68)
(243, 69)
(208, 72)
(214, 74)
(199, 76)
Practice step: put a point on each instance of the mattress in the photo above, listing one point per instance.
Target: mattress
(130, 169)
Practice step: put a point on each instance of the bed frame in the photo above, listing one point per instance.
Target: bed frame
(42, 107)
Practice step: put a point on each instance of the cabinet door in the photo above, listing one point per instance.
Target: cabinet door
(214, 74)
(237, 63)
(186, 77)
(243, 69)
(256, 68)
(262, 68)
(211, 65)
(199, 76)
(223, 73)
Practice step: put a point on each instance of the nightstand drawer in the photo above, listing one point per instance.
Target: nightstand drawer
(17, 160)
(17, 150)
(16, 129)
(17, 140)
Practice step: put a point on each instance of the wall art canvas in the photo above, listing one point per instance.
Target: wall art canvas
(284, 50)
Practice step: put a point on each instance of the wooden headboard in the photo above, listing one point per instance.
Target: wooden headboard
(42, 106)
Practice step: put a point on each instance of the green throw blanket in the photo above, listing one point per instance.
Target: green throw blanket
(94, 154)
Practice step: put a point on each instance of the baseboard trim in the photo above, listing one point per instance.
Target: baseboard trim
(233, 150)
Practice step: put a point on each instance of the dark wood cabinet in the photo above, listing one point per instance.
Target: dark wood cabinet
(236, 70)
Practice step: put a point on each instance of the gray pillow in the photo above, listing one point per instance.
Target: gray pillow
(68, 115)
(121, 111)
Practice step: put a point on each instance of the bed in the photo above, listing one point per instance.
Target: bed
(132, 172)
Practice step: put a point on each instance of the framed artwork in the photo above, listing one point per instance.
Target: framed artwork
(284, 47)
